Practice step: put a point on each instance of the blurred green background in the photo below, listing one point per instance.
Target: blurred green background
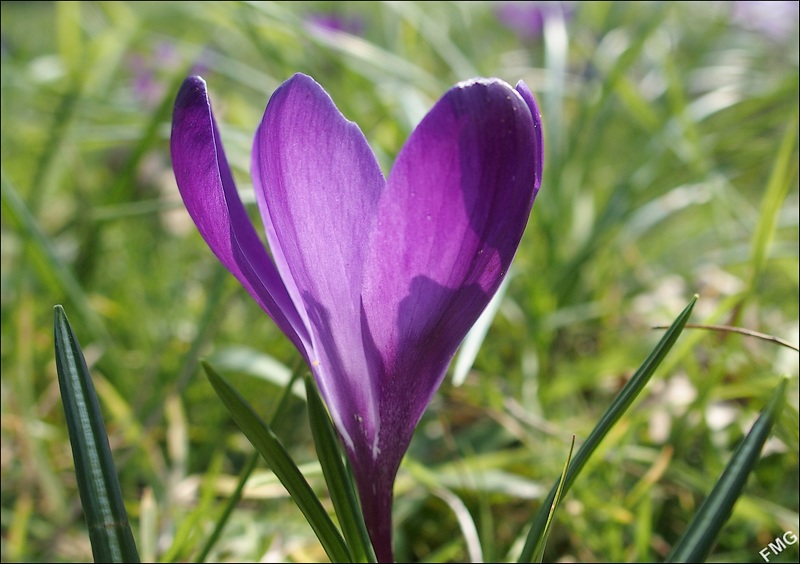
(671, 169)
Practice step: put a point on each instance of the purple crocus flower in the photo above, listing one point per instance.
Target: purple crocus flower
(376, 281)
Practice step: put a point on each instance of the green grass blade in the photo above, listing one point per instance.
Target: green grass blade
(696, 543)
(106, 518)
(54, 146)
(230, 505)
(468, 351)
(189, 529)
(431, 479)
(227, 511)
(620, 404)
(775, 194)
(339, 483)
(51, 269)
(556, 500)
(270, 447)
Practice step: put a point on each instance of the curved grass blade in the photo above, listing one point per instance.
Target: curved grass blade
(466, 523)
(234, 498)
(52, 271)
(777, 188)
(468, 351)
(228, 509)
(270, 447)
(740, 331)
(618, 407)
(556, 500)
(340, 485)
(106, 518)
(696, 543)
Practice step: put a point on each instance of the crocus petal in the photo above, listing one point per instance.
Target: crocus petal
(318, 184)
(206, 185)
(538, 141)
(447, 227)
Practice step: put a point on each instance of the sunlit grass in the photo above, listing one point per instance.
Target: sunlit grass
(671, 169)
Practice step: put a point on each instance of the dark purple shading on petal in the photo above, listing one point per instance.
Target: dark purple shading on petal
(448, 226)
(538, 148)
(318, 184)
(206, 185)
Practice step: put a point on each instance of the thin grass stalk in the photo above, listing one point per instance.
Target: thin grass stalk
(617, 409)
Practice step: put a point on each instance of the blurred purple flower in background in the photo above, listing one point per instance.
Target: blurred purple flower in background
(527, 19)
(151, 72)
(337, 22)
(376, 281)
(774, 19)
(146, 85)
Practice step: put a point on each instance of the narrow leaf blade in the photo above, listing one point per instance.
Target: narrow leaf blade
(697, 541)
(270, 447)
(236, 496)
(98, 485)
(775, 194)
(556, 501)
(343, 494)
(617, 409)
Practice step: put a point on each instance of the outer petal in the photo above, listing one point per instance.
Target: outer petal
(206, 185)
(318, 184)
(448, 225)
(538, 148)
